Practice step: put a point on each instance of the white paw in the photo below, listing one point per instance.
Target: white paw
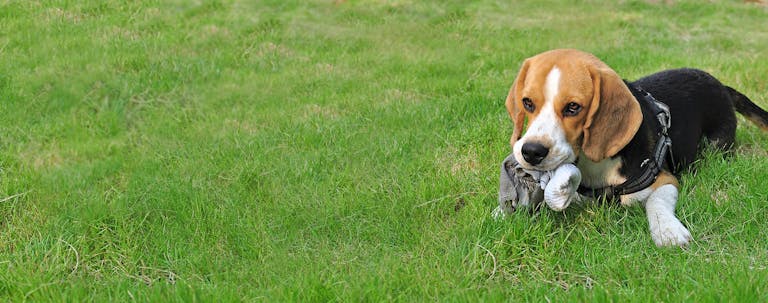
(562, 187)
(670, 232)
(557, 198)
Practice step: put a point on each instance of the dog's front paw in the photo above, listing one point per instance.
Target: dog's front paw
(670, 232)
(562, 188)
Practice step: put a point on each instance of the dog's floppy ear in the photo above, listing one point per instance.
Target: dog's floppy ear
(614, 115)
(513, 98)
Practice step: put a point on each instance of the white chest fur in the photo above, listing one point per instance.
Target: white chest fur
(600, 174)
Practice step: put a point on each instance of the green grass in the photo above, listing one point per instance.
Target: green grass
(312, 151)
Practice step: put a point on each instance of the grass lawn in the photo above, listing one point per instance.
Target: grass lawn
(318, 151)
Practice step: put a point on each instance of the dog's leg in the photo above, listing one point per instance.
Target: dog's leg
(666, 229)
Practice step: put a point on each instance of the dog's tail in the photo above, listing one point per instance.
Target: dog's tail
(749, 109)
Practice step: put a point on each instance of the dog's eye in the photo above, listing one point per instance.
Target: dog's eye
(528, 104)
(571, 109)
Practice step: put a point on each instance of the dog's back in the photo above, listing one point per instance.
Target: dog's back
(701, 107)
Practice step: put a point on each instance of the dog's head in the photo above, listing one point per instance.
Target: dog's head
(574, 103)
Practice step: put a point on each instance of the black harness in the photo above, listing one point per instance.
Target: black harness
(652, 166)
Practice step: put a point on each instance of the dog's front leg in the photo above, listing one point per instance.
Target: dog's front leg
(666, 229)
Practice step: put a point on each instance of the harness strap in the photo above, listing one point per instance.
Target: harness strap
(651, 167)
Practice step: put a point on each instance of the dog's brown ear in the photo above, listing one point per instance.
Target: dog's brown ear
(513, 99)
(614, 115)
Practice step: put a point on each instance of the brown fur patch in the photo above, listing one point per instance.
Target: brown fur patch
(614, 115)
(757, 120)
(665, 178)
(514, 103)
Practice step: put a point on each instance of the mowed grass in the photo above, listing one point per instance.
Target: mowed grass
(344, 151)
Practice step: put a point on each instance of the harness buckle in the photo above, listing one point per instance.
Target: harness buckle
(665, 119)
(663, 115)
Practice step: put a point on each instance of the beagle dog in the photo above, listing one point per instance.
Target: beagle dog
(580, 111)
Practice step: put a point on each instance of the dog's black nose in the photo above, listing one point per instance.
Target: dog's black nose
(534, 152)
